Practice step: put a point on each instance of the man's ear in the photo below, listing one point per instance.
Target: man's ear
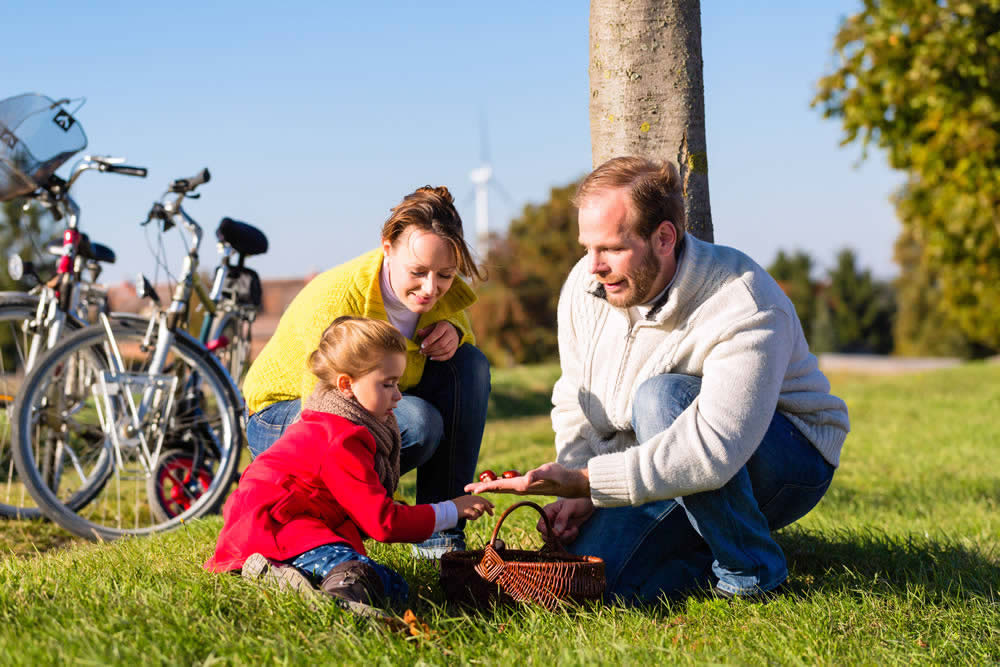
(344, 385)
(665, 238)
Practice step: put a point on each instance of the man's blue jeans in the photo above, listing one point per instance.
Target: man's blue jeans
(441, 421)
(670, 547)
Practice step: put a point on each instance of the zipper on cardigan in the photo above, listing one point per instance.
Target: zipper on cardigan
(628, 347)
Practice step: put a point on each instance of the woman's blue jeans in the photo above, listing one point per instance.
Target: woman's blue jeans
(441, 421)
(670, 547)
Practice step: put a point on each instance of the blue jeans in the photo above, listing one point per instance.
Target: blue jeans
(317, 563)
(669, 547)
(441, 421)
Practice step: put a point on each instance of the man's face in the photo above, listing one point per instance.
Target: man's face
(625, 264)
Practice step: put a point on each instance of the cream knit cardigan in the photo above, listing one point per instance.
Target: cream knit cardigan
(726, 321)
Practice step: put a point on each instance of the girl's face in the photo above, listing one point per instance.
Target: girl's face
(378, 390)
(422, 267)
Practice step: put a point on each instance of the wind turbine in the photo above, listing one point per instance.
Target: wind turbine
(482, 180)
(481, 177)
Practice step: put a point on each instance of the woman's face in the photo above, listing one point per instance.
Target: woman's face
(422, 267)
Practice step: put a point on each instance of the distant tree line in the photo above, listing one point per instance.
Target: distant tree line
(845, 310)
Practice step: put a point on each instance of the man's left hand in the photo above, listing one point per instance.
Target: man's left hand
(440, 340)
(550, 479)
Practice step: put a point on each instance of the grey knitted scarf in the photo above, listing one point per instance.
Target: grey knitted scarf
(386, 433)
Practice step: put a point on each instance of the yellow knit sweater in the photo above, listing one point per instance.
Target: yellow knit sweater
(281, 373)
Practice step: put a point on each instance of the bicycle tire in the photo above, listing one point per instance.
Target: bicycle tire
(179, 478)
(233, 356)
(15, 309)
(163, 490)
(201, 403)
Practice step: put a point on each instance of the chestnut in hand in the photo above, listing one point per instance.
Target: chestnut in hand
(507, 474)
(487, 476)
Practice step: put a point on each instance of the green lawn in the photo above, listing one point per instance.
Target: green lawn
(899, 563)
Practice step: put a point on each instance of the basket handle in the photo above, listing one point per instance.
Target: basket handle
(551, 542)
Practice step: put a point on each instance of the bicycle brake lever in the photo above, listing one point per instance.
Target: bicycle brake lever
(156, 212)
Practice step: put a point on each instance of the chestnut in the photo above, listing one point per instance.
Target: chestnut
(507, 474)
(487, 476)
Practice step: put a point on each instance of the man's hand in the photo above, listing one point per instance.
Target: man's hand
(566, 516)
(440, 340)
(550, 479)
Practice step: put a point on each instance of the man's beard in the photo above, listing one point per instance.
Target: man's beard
(640, 284)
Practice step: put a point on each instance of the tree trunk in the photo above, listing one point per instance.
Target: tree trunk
(647, 95)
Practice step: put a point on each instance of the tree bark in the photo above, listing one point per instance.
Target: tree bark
(647, 94)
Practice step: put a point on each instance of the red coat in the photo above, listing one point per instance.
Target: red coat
(316, 485)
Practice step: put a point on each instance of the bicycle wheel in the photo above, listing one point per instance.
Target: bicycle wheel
(190, 406)
(179, 478)
(17, 310)
(235, 331)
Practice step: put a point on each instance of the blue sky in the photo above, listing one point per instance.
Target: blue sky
(316, 117)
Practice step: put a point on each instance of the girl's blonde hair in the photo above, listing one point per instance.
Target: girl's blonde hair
(354, 346)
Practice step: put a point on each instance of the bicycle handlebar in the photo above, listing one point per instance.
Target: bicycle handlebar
(127, 170)
(183, 185)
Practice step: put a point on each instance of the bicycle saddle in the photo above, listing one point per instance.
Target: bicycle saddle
(245, 239)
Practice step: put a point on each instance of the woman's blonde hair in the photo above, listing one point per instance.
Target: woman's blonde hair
(354, 346)
(433, 210)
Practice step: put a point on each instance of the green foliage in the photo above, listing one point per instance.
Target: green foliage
(24, 232)
(849, 311)
(860, 308)
(794, 274)
(899, 563)
(515, 318)
(922, 81)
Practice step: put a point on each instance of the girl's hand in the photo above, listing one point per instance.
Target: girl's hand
(472, 507)
(440, 341)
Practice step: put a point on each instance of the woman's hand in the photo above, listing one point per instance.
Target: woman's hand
(566, 516)
(550, 479)
(472, 507)
(440, 340)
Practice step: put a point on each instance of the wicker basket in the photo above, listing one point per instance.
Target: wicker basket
(496, 574)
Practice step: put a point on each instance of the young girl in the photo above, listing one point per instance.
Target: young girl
(304, 507)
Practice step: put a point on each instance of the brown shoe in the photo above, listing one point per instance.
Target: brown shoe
(354, 581)
(285, 577)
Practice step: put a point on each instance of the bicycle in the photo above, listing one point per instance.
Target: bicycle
(149, 392)
(232, 305)
(37, 136)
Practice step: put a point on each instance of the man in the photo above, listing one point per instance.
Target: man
(690, 419)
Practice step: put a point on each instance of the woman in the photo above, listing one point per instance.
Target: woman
(412, 281)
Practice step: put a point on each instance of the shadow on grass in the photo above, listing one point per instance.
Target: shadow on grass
(871, 560)
(838, 563)
(32, 537)
(510, 401)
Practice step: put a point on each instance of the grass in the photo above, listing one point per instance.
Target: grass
(900, 563)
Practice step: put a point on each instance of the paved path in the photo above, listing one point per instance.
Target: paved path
(882, 365)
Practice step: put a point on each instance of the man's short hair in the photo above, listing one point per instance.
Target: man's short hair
(654, 188)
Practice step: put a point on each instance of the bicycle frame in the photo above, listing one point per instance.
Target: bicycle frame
(164, 326)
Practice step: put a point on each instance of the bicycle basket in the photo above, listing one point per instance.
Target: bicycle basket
(37, 135)
(243, 286)
(496, 574)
